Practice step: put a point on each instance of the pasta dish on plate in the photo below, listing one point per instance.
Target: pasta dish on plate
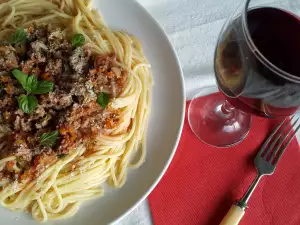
(74, 101)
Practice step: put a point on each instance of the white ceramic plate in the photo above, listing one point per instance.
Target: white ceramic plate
(165, 126)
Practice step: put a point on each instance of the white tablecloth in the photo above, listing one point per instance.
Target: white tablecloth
(193, 27)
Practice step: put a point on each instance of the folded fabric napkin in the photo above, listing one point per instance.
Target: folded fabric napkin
(203, 182)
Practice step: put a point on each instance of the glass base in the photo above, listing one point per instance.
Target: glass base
(214, 121)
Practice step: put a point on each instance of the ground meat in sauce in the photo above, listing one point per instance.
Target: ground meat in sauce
(107, 76)
(17, 140)
(71, 108)
(38, 51)
(54, 67)
(57, 100)
(79, 60)
(8, 58)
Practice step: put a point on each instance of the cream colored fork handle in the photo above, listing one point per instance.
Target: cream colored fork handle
(234, 216)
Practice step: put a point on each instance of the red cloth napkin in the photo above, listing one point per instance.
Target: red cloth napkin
(202, 182)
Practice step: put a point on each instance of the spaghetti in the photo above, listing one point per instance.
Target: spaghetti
(66, 182)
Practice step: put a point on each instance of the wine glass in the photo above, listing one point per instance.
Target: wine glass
(257, 69)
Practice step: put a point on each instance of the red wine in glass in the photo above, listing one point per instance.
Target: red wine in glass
(261, 75)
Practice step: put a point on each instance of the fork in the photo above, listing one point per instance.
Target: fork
(265, 162)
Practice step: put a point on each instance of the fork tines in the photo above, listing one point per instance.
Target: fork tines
(280, 138)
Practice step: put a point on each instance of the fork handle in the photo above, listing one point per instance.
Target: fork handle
(234, 216)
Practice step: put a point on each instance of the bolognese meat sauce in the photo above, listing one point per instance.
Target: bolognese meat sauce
(43, 124)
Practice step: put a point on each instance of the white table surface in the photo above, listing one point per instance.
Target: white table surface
(193, 27)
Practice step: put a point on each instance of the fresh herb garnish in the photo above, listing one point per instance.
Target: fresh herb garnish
(78, 40)
(103, 99)
(31, 84)
(27, 103)
(43, 87)
(49, 139)
(20, 76)
(18, 37)
(61, 156)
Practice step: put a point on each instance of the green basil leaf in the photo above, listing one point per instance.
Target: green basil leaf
(49, 139)
(43, 87)
(27, 103)
(31, 84)
(78, 40)
(20, 76)
(103, 99)
(18, 37)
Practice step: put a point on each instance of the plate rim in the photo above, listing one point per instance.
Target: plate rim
(176, 136)
(168, 162)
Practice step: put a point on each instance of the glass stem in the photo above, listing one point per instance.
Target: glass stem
(227, 108)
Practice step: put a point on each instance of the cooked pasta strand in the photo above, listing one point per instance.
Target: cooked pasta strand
(58, 192)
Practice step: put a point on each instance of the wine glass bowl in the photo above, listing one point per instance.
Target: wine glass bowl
(256, 65)
(260, 73)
